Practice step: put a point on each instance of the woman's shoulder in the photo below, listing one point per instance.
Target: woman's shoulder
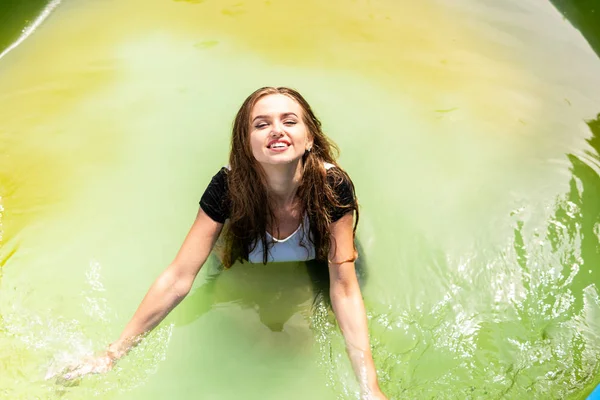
(337, 176)
(343, 189)
(222, 173)
(215, 201)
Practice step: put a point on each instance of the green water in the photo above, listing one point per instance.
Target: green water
(16, 15)
(471, 131)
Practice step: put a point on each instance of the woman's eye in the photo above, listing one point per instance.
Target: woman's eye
(260, 126)
(290, 122)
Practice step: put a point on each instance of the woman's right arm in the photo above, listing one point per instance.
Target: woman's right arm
(166, 292)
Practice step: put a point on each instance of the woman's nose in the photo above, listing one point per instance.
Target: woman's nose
(277, 129)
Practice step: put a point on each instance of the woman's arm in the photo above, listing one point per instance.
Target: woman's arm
(348, 306)
(166, 292)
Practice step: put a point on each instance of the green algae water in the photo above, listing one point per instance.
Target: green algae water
(16, 16)
(471, 130)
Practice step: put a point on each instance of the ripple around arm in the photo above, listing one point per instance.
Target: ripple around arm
(35, 342)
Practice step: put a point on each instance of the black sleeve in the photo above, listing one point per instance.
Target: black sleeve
(343, 189)
(215, 200)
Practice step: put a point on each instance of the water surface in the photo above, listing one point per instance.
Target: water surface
(470, 130)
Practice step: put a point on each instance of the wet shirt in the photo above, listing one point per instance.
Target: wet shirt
(296, 247)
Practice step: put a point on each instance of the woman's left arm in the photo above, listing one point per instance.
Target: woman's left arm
(348, 306)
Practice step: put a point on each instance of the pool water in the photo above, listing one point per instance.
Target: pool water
(471, 130)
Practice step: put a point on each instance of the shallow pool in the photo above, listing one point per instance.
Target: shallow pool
(470, 129)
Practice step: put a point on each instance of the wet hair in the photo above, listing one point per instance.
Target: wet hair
(251, 211)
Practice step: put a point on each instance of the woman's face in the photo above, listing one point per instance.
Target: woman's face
(278, 134)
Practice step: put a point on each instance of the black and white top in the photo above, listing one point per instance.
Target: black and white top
(215, 203)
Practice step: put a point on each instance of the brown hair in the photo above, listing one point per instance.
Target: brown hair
(250, 207)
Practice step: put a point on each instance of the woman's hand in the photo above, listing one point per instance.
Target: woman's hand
(93, 365)
(374, 395)
(98, 364)
(164, 294)
(349, 308)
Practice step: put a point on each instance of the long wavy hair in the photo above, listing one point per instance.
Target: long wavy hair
(251, 211)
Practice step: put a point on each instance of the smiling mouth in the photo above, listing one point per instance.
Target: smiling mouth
(278, 145)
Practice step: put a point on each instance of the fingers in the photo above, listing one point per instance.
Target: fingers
(79, 371)
(58, 372)
(93, 366)
(72, 374)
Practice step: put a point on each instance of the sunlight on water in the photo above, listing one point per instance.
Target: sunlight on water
(469, 128)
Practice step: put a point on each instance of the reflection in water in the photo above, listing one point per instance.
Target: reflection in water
(276, 292)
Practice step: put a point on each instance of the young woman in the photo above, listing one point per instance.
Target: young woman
(281, 198)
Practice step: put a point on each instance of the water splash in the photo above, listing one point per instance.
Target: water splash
(96, 305)
(38, 346)
(332, 354)
(538, 340)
